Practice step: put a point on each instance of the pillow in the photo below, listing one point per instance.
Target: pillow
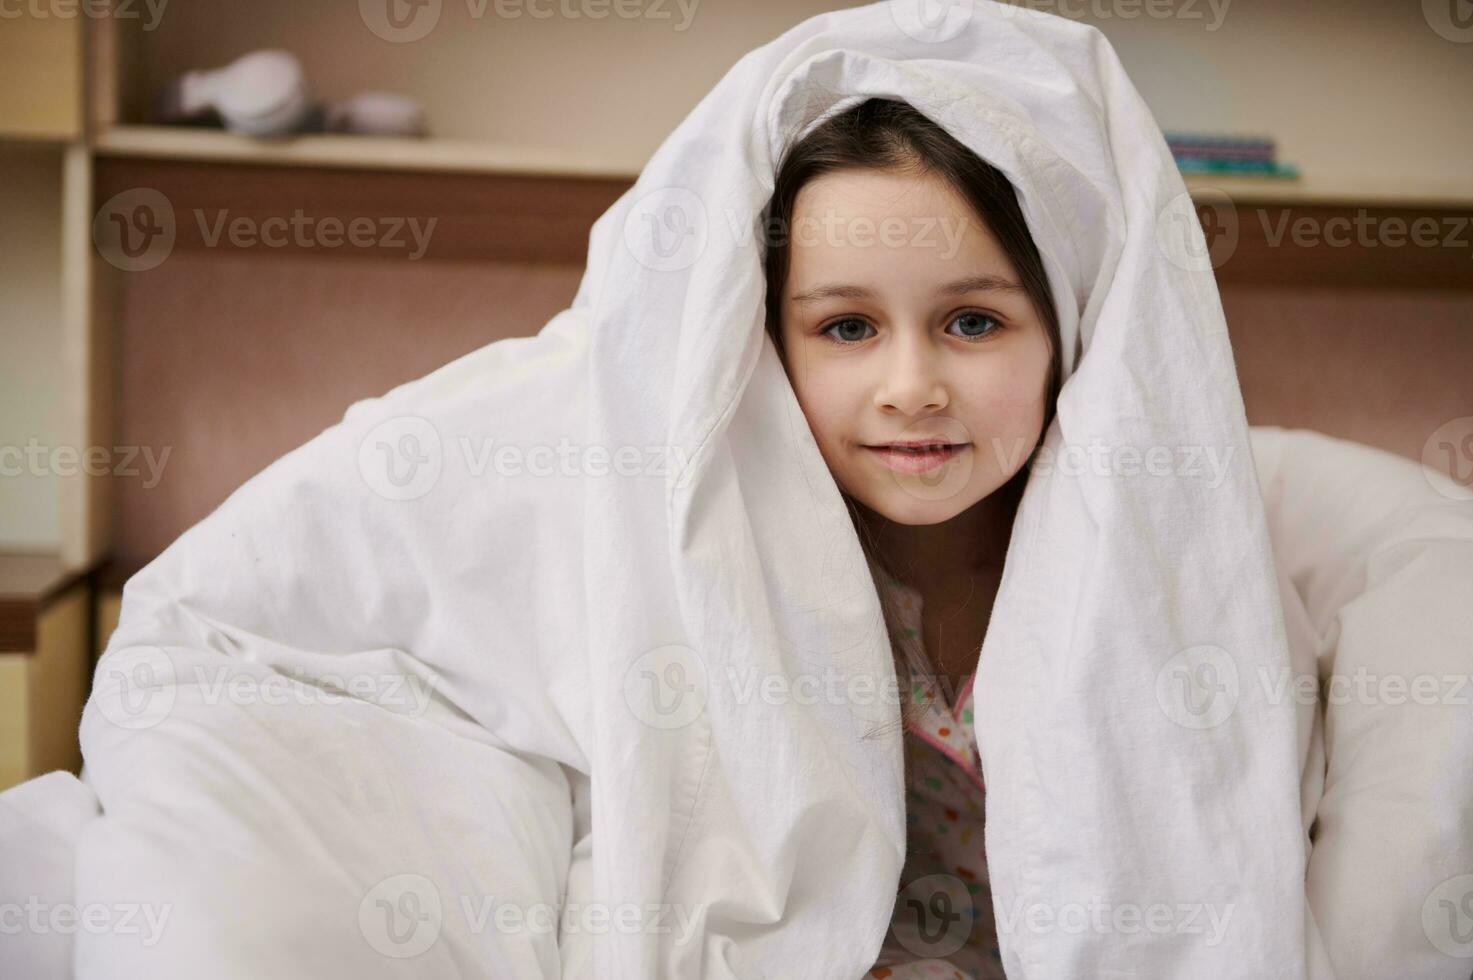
(1381, 565)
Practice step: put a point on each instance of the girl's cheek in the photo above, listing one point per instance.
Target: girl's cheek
(816, 383)
(1011, 401)
(825, 410)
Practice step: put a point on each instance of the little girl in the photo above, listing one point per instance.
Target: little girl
(927, 366)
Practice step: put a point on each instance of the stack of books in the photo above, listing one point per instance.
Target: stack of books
(1228, 153)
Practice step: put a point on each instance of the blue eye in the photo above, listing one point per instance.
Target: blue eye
(827, 331)
(977, 328)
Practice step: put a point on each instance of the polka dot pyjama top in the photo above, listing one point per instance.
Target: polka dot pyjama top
(942, 927)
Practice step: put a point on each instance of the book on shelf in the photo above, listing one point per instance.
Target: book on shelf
(1236, 154)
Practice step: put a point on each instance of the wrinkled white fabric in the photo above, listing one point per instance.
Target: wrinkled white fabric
(608, 637)
(1376, 569)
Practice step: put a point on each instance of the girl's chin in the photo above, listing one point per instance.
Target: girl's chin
(900, 507)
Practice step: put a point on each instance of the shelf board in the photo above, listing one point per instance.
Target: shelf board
(466, 156)
(29, 583)
(1389, 192)
(24, 139)
(330, 150)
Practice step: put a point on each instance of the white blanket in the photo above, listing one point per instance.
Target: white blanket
(606, 632)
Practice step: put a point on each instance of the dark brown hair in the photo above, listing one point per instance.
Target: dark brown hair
(892, 135)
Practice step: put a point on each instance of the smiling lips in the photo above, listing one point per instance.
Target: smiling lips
(916, 457)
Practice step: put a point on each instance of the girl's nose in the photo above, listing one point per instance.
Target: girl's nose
(912, 379)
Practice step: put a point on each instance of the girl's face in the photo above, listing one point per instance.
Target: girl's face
(903, 321)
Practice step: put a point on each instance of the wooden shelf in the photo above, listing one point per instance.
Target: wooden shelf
(46, 663)
(467, 156)
(355, 152)
(1382, 193)
(12, 139)
(28, 583)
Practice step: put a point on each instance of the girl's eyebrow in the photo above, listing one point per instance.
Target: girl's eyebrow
(969, 284)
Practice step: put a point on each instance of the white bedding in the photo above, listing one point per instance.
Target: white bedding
(1362, 548)
(1376, 573)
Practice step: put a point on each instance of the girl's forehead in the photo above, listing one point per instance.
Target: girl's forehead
(874, 193)
(853, 244)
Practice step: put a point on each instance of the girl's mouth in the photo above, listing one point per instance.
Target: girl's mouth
(917, 458)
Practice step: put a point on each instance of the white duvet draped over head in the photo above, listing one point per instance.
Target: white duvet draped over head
(657, 585)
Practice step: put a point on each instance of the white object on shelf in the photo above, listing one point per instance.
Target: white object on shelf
(264, 93)
(377, 114)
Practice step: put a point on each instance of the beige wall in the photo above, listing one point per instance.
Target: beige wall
(31, 366)
(1354, 91)
(1360, 87)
